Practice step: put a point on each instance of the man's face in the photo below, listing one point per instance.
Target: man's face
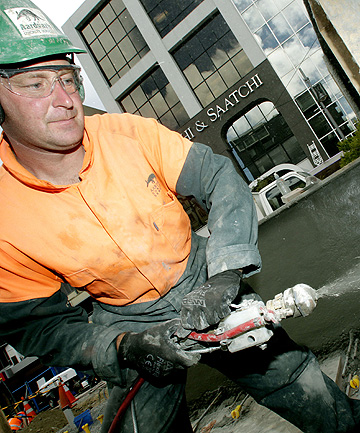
(53, 123)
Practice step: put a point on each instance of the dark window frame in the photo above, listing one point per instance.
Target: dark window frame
(121, 20)
(202, 57)
(153, 86)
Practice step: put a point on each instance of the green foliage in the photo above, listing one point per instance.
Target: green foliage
(263, 183)
(351, 147)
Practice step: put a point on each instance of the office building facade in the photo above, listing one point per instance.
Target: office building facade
(247, 77)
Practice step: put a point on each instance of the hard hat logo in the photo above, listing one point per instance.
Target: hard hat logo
(26, 33)
(31, 22)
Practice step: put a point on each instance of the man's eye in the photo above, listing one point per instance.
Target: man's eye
(35, 86)
(32, 84)
(69, 81)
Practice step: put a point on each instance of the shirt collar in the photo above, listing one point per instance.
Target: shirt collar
(16, 170)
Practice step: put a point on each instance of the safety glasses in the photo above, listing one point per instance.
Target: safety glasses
(39, 82)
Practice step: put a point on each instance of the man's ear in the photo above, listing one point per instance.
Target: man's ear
(81, 93)
(82, 89)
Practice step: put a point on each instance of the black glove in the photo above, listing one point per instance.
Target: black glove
(209, 303)
(153, 353)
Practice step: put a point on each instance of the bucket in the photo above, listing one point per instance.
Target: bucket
(82, 419)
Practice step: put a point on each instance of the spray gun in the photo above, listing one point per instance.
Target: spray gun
(248, 323)
(246, 326)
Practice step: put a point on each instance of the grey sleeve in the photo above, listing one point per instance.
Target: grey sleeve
(60, 335)
(232, 222)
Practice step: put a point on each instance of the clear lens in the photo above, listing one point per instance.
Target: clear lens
(40, 82)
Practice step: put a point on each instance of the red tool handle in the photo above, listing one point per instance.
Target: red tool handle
(231, 333)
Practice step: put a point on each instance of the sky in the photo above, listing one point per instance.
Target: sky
(59, 12)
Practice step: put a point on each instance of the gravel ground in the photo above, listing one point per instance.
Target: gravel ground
(55, 421)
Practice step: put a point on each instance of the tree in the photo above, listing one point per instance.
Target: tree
(351, 147)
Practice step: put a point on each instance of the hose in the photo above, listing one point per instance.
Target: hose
(124, 405)
(133, 415)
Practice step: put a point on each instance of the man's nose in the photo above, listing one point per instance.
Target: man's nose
(58, 88)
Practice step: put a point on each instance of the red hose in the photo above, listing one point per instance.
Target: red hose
(124, 405)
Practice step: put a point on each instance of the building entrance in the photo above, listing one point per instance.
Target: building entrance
(261, 139)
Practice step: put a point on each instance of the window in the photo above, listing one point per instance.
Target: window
(287, 37)
(325, 117)
(155, 97)
(114, 40)
(261, 139)
(212, 60)
(167, 14)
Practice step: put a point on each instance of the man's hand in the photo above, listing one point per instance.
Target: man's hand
(209, 303)
(153, 353)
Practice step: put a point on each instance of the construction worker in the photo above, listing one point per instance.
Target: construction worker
(91, 203)
(16, 423)
(22, 415)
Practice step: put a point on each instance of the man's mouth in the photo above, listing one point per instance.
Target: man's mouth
(67, 118)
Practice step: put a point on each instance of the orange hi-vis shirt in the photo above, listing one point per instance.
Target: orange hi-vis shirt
(120, 232)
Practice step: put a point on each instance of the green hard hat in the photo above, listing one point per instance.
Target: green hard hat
(26, 33)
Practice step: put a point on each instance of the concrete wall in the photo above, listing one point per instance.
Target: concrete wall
(337, 22)
(316, 240)
(344, 16)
